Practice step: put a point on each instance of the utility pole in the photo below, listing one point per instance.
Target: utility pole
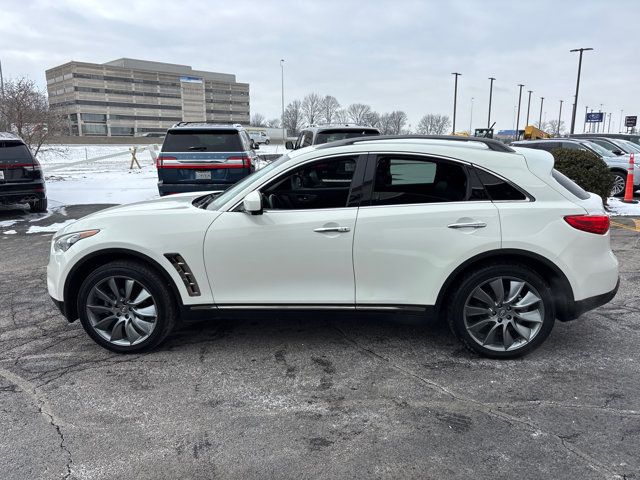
(518, 115)
(528, 106)
(540, 120)
(490, 96)
(559, 118)
(284, 133)
(455, 99)
(575, 101)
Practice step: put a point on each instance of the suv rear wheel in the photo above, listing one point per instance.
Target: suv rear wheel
(619, 184)
(126, 307)
(502, 311)
(38, 206)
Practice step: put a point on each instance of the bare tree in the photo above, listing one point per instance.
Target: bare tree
(551, 127)
(385, 126)
(274, 123)
(258, 120)
(358, 113)
(25, 110)
(433, 124)
(293, 117)
(373, 119)
(312, 108)
(398, 120)
(341, 116)
(330, 106)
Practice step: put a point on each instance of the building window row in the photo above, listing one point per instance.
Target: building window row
(125, 92)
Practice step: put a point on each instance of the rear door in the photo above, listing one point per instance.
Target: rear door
(203, 156)
(424, 216)
(17, 165)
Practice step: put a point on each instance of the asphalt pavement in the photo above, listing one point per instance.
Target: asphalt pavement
(291, 397)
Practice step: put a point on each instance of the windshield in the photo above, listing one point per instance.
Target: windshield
(327, 136)
(231, 192)
(628, 146)
(200, 140)
(598, 149)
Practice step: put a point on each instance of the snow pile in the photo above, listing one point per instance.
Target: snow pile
(54, 227)
(617, 207)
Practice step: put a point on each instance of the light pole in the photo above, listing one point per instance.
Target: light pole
(518, 115)
(598, 126)
(471, 116)
(609, 128)
(284, 133)
(490, 96)
(528, 105)
(2, 126)
(540, 120)
(559, 119)
(620, 124)
(586, 109)
(455, 99)
(575, 101)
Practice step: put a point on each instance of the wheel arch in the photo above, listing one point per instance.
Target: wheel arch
(560, 286)
(101, 257)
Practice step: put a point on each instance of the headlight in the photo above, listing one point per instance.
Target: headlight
(65, 242)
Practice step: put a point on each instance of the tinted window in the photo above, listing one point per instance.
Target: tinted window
(307, 139)
(323, 184)
(498, 188)
(202, 141)
(14, 152)
(569, 184)
(405, 180)
(327, 136)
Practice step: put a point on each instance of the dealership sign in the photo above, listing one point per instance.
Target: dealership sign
(630, 121)
(595, 117)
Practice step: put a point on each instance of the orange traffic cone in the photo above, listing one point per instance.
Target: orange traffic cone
(628, 191)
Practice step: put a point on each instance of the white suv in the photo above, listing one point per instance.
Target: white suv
(491, 238)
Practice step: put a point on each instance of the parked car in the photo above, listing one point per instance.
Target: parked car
(203, 156)
(21, 179)
(316, 135)
(616, 146)
(617, 164)
(490, 238)
(259, 137)
(631, 137)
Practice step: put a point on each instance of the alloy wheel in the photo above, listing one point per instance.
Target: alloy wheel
(618, 185)
(503, 314)
(121, 310)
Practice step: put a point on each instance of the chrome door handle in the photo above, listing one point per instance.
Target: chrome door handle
(467, 225)
(332, 229)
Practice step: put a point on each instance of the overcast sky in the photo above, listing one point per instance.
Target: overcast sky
(390, 55)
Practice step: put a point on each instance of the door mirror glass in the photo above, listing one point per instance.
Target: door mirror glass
(618, 152)
(252, 203)
(288, 145)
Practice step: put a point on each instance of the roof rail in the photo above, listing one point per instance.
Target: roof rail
(492, 144)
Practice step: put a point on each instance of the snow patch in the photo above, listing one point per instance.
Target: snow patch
(7, 223)
(9, 232)
(54, 227)
(617, 207)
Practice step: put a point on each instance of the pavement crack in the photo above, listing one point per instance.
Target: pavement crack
(44, 409)
(489, 409)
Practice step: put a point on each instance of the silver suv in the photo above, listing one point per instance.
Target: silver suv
(317, 134)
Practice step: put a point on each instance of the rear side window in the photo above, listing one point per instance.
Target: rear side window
(499, 189)
(569, 184)
(327, 136)
(405, 180)
(14, 152)
(202, 141)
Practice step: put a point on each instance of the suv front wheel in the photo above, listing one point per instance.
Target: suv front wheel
(502, 311)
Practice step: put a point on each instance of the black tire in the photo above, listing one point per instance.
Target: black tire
(266, 142)
(619, 177)
(157, 286)
(38, 206)
(476, 278)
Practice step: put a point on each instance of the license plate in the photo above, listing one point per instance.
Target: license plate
(203, 175)
(1, 175)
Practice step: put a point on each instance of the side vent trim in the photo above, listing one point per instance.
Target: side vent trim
(185, 273)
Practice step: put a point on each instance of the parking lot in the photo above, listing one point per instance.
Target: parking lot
(295, 397)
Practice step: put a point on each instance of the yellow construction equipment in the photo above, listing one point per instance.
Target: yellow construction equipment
(533, 133)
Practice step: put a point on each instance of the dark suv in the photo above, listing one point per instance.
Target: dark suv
(203, 156)
(21, 179)
(315, 135)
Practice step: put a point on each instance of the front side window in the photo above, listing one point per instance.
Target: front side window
(308, 139)
(405, 180)
(322, 184)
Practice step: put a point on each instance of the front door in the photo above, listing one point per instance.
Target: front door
(299, 250)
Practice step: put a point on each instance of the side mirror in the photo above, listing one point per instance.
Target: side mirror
(252, 203)
(288, 145)
(256, 146)
(618, 152)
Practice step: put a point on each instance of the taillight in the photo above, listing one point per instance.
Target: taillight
(598, 224)
(244, 161)
(161, 158)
